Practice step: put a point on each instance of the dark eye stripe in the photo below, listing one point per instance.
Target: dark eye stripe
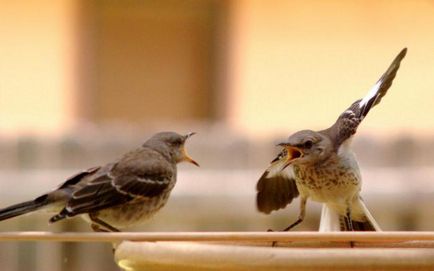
(308, 144)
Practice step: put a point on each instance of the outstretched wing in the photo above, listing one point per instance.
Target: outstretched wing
(347, 123)
(276, 188)
(143, 173)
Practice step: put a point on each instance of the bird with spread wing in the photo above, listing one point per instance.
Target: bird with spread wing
(319, 165)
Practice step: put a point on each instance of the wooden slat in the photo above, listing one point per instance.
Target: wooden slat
(252, 250)
(180, 256)
(382, 237)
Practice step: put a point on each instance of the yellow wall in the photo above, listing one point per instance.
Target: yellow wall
(36, 66)
(298, 64)
(292, 65)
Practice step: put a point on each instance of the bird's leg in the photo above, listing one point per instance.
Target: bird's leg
(300, 217)
(97, 228)
(298, 221)
(349, 222)
(98, 223)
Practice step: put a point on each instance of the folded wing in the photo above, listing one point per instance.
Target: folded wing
(144, 174)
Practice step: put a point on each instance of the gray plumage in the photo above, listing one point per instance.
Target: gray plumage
(321, 166)
(119, 194)
(347, 123)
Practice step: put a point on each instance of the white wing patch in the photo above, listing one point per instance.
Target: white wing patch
(277, 168)
(371, 94)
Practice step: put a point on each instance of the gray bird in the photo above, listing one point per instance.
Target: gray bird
(119, 194)
(320, 165)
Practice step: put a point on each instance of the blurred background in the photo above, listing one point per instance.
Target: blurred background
(82, 82)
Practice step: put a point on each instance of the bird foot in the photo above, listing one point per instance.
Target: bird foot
(97, 228)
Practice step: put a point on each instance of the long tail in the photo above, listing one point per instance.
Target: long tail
(332, 221)
(23, 208)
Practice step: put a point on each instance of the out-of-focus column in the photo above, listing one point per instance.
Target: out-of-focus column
(37, 62)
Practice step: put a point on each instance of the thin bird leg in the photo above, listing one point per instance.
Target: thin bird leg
(348, 220)
(300, 217)
(97, 228)
(98, 223)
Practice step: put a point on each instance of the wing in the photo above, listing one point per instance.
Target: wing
(347, 123)
(73, 180)
(276, 188)
(147, 176)
(143, 173)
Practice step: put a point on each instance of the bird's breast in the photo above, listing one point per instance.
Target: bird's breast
(331, 181)
(133, 212)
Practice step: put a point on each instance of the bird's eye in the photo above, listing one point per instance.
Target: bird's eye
(308, 144)
(177, 143)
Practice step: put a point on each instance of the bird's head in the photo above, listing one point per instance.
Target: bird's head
(173, 145)
(306, 147)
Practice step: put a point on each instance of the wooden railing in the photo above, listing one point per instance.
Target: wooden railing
(253, 251)
(366, 237)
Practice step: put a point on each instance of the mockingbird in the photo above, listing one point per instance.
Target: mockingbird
(321, 166)
(118, 194)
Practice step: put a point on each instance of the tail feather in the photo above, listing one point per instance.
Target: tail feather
(23, 208)
(369, 218)
(357, 225)
(333, 221)
(60, 216)
(329, 220)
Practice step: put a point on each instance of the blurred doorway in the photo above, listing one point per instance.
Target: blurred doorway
(144, 61)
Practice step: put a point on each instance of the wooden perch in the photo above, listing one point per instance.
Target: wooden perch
(179, 256)
(253, 251)
(219, 236)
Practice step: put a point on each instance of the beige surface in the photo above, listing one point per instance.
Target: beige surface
(195, 256)
(227, 237)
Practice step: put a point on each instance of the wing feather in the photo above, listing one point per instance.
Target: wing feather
(347, 123)
(276, 188)
(143, 173)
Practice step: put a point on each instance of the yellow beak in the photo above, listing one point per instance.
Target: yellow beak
(292, 154)
(187, 157)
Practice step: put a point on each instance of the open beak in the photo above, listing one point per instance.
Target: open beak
(187, 157)
(190, 134)
(292, 153)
